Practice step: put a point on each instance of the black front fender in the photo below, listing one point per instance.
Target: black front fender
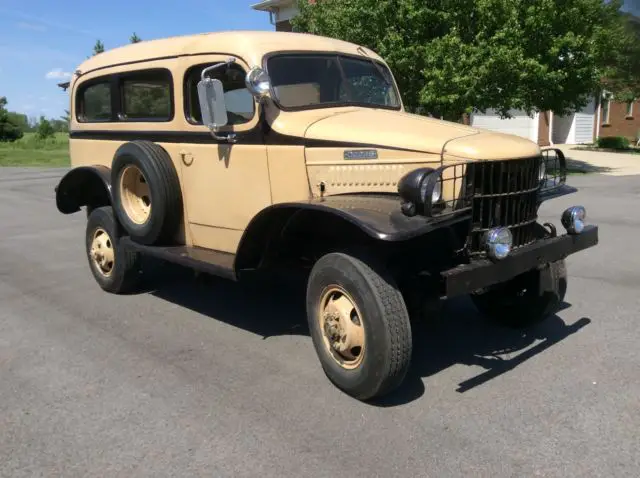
(84, 186)
(378, 217)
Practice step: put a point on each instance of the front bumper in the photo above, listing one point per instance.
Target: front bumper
(467, 278)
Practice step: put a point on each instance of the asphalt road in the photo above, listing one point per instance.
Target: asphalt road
(196, 378)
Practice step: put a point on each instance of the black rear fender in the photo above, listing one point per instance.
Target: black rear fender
(84, 186)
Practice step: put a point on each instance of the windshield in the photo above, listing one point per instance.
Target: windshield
(302, 81)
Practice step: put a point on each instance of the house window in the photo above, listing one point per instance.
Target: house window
(94, 103)
(238, 99)
(146, 96)
(606, 110)
(630, 109)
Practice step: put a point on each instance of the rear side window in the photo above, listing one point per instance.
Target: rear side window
(239, 101)
(146, 97)
(95, 103)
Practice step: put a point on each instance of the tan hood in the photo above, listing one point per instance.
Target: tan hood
(404, 131)
(390, 129)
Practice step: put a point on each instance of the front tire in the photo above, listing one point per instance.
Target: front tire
(359, 326)
(527, 299)
(115, 269)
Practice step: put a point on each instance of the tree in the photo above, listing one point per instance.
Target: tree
(9, 131)
(45, 129)
(98, 48)
(623, 68)
(134, 38)
(455, 56)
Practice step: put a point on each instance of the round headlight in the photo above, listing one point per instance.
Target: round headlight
(437, 192)
(573, 219)
(498, 243)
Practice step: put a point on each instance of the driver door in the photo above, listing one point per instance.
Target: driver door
(224, 185)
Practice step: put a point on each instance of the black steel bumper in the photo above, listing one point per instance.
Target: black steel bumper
(483, 273)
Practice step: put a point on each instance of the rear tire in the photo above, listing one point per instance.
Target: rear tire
(146, 192)
(115, 269)
(523, 301)
(352, 305)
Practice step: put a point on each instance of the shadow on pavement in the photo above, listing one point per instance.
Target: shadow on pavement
(457, 336)
(577, 166)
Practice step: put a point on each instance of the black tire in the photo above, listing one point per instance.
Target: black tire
(164, 188)
(124, 275)
(387, 329)
(524, 300)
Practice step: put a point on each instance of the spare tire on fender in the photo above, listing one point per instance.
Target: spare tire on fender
(146, 192)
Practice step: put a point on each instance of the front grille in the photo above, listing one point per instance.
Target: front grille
(504, 195)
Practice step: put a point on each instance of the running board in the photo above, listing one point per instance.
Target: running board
(205, 260)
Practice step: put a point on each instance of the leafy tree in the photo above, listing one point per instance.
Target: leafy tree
(623, 69)
(134, 38)
(9, 131)
(66, 117)
(20, 120)
(59, 125)
(45, 129)
(455, 56)
(98, 48)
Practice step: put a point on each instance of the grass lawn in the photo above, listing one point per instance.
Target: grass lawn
(31, 151)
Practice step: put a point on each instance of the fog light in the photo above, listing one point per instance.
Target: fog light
(573, 219)
(498, 243)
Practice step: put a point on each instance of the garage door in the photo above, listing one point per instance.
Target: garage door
(584, 124)
(520, 124)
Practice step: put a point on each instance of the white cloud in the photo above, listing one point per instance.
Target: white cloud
(57, 74)
(31, 26)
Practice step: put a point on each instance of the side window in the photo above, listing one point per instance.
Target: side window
(94, 103)
(239, 101)
(146, 96)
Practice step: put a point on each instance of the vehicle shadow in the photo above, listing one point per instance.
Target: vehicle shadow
(458, 335)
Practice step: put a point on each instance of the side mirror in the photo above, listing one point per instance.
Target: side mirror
(258, 83)
(212, 105)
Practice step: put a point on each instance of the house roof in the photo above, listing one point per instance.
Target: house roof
(251, 46)
(269, 5)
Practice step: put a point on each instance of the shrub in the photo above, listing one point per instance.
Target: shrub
(45, 130)
(613, 142)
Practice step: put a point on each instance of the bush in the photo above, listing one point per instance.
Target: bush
(613, 142)
(45, 130)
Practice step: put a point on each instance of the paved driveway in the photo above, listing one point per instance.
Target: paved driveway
(611, 164)
(203, 379)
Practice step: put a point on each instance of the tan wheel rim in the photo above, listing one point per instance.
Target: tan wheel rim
(135, 194)
(102, 252)
(342, 327)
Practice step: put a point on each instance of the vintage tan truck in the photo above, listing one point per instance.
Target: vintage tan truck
(239, 151)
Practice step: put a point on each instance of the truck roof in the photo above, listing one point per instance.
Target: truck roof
(251, 46)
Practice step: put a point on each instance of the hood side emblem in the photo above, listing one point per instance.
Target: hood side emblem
(361, 154)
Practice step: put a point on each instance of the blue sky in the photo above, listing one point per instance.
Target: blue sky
(41, 40)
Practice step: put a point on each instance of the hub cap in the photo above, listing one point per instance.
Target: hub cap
(342, 327)
(134, 191)
(101, 252)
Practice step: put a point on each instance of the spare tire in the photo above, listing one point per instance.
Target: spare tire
(146, 192)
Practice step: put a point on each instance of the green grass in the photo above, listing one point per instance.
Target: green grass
(31, 151)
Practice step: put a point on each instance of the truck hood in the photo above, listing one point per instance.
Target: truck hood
(403, 131)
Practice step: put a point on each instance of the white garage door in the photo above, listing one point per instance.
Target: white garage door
(520, 124)
(584, 124)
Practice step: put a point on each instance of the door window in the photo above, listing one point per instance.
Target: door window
(238, 99)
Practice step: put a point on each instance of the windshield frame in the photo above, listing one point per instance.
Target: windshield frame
(274, 97)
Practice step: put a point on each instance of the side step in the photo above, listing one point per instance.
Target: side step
(205, 260)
